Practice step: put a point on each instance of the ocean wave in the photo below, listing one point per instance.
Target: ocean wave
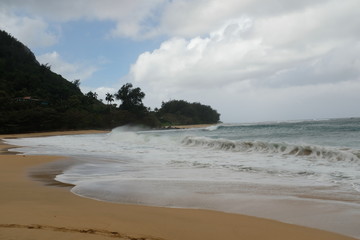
(136, 136)
(212, 128)
(310, 151)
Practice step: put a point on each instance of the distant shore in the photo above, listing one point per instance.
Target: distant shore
(31, 210)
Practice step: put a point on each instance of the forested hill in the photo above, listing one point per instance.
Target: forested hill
(21, 75)
(33, 98)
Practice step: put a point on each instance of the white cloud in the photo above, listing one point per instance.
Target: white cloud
(292, 60)
(70, 71)
(202, 16)
(141, 19)
(131, 17)
(295, 102)
(32, 31)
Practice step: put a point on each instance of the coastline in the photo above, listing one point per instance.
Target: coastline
(31, 209)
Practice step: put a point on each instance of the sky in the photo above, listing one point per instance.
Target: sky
(251, 60)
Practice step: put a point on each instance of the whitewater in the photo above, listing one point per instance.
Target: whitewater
(303, 172)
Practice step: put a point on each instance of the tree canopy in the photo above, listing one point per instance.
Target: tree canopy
(180, 112)
(131, 98)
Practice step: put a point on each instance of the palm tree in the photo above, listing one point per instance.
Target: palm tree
(109, 98)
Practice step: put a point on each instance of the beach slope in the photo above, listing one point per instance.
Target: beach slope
(30, 210)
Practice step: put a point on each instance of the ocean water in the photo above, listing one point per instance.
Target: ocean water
(229, 167)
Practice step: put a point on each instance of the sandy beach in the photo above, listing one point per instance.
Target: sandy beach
(32, 210)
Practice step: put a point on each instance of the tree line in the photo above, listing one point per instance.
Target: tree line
(173, 112)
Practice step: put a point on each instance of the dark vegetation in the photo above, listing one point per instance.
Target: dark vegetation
(33, 98)
(180, 112)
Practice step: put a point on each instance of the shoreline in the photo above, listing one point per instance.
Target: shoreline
(32, 209)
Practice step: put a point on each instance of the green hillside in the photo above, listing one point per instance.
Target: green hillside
(21, 75)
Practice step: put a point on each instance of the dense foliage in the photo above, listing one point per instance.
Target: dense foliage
(179, 112)
(33, 98)
(131, 98)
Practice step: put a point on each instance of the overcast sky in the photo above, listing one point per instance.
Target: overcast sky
(252, 60)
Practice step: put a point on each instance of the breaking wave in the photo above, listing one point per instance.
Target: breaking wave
(212, 128)
(313, 152)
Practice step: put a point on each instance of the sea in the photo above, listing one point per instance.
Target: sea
(304, 172)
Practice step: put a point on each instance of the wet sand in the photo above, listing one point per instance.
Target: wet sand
(32, 210)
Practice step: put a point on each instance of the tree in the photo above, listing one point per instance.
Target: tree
(92, 96)
(46, 66)
(109, 98)
(131, 98)
(76, 83)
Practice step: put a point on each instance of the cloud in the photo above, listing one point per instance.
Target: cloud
(262, 60)
(131, 17)
(139, 19)
(202, 16)
(32, 31)
(70, 71)
(295, 102)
